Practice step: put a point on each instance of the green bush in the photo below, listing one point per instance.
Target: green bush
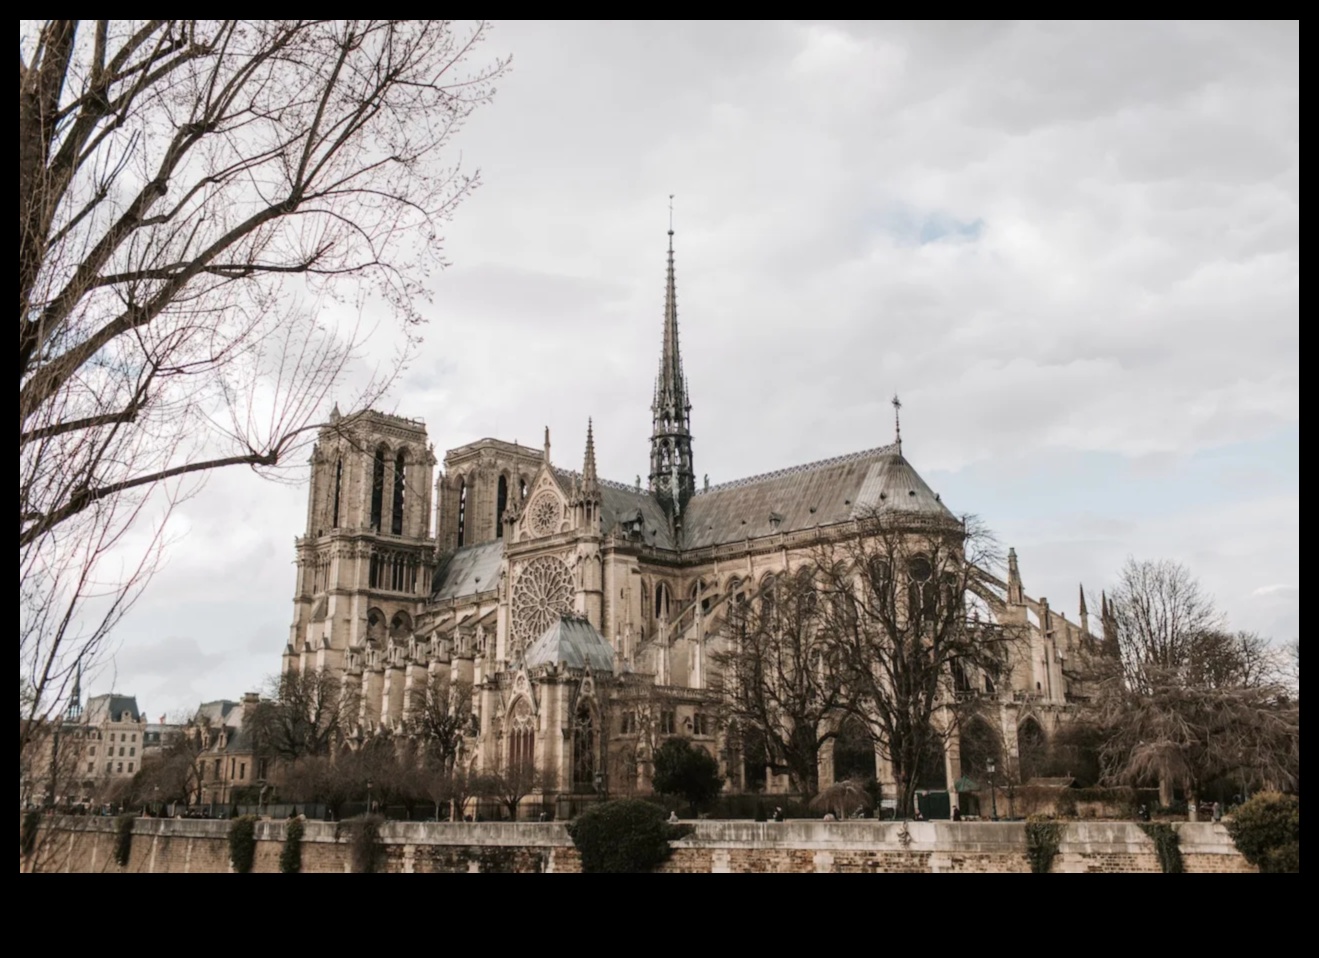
(27, 832)
(1042, 840)
(290, 856)
(1167, 845)
(367, 849)
(1267, 832)
(123, 839)
(242, 843)
(623, 836)
(681, 769)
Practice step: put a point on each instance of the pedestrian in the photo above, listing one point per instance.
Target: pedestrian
(957, 813)
(1217, 812)
(673, 818)
(778, 813)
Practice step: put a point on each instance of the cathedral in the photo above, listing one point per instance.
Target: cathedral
(584, 613)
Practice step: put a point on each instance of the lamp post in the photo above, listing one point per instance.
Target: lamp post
(368, 796)
(993, 796)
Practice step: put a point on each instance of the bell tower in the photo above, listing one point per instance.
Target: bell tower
(366, 559)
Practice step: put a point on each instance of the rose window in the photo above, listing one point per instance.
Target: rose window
(544, 514)
(542, 592)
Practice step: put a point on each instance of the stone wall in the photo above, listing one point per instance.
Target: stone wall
(186, 845)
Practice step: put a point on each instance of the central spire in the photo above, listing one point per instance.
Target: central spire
(672, 475)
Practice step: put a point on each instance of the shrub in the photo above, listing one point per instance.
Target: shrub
(1267, 832)
(27, 832)
(1042, 840)
(1167, 845)
(242, 843)
(681, 769)
(290, 856)
(123, 839)
(367, 850)
(626, 836)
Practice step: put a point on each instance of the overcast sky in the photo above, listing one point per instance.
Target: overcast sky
(1072, 249)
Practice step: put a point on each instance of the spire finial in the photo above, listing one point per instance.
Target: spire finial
(670, 222)
(547, 443)
(897, 422)
(589, 477)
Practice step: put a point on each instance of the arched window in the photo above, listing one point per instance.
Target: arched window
(522, 738)
(583, 748)
(377, 488)
(462, 512)
(396, 520)
(338, 491)
(501, 503)
(661, 602)
(522, 488)
(1032, 747)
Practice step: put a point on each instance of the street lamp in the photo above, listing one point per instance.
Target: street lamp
(993, 796)
(368, 796)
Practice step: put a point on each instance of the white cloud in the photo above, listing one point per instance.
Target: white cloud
(1054, 240)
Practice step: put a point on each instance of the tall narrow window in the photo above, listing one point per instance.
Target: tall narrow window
(396, 521)
(501, 503)
(338, 490)
(522, 489)
(377, 489)
(462, 512)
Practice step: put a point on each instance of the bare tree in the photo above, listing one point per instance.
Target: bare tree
(307, 714)
(1194, 702)
(779, 676)
(902, 610)
(202, 204)
(510, 786)
(440, 717)
(1161, 616)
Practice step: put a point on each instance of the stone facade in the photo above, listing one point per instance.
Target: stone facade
(521, 544)
(189, 845)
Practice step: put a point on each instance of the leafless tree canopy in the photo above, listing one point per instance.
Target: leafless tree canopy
(192, 194)
(1161, 614)
(884, 625)
(439, 717)
(904, 609)
(307, 715)
(779, 675)
(1194, 702)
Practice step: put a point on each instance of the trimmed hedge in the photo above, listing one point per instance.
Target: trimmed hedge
(1267, 832)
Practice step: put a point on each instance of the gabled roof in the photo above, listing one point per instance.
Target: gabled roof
(469, 570)
(820, 493)
(574, 642)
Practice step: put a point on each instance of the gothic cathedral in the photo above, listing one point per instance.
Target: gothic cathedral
(582, 613)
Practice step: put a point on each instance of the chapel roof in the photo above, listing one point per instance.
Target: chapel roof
(574, 642)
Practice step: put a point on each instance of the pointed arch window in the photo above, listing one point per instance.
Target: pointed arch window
(338, 491)
(462, 512)
(400, 485)
(377, 488)
(584, 745)
(501, 503)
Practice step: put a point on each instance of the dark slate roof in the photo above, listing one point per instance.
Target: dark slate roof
(574, 642)
(819, 493)
(469, 570)
(217, 713)
(621, 504)
(111, 707)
